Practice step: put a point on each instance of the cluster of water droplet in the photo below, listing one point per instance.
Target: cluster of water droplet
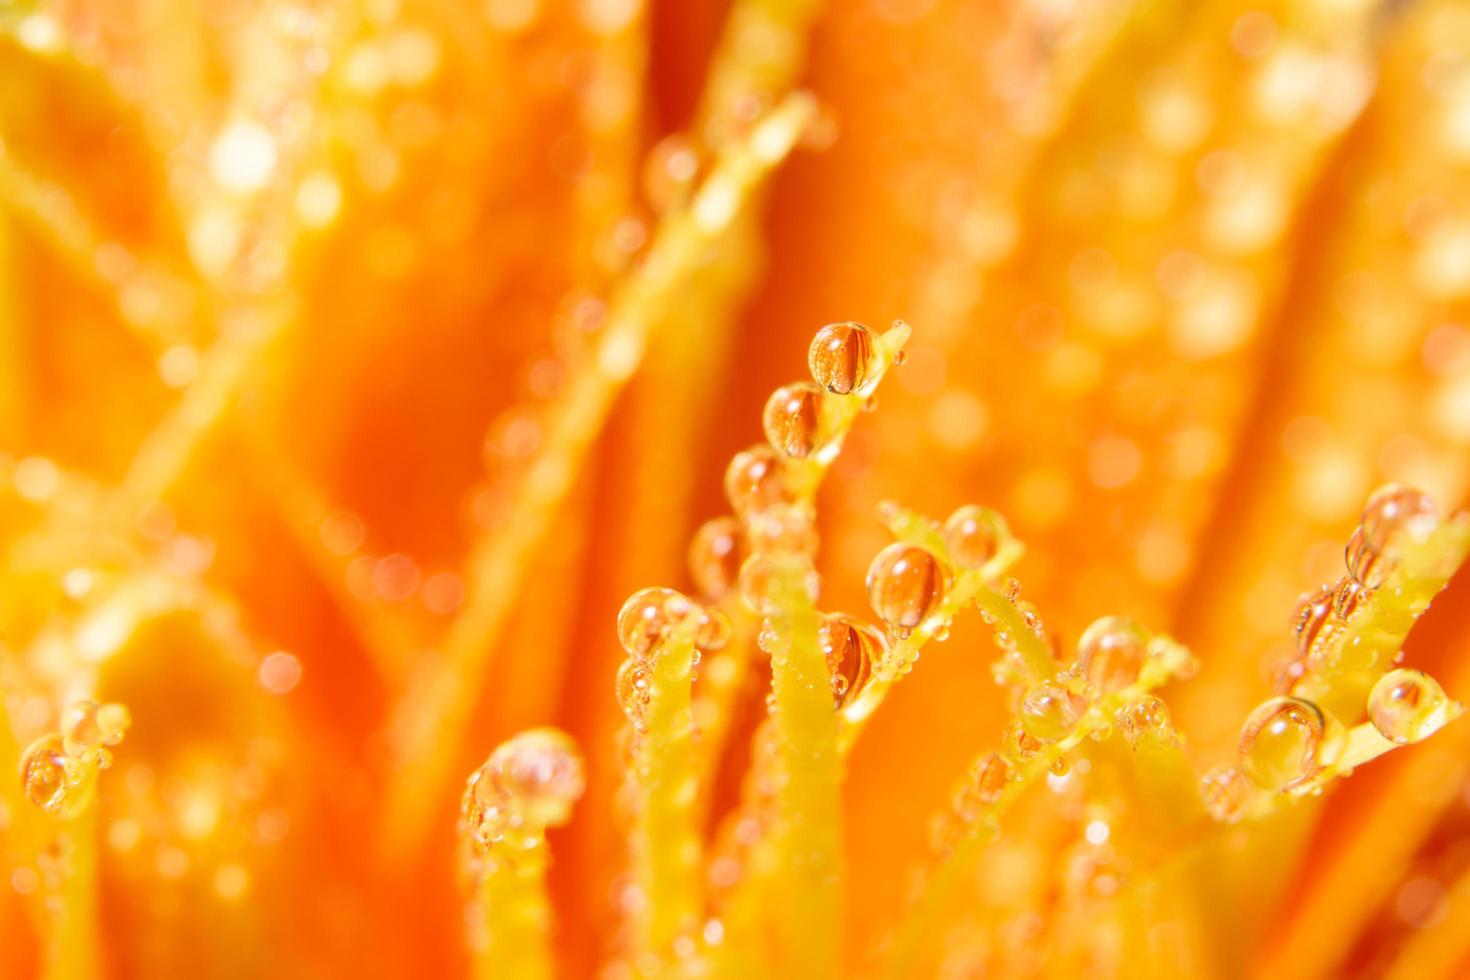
(647, 619)
(972, 805)
(1393, 519)
(529, 783)
(55, 767)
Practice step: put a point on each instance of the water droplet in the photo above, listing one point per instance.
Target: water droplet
(755, 480)
(644, 619)
(793, 421)
(1018, 746)
(1226, 791)
(851, 647)
(635, 690)
(1111, 652)
(486, 810)
(1348, 598)
(1060, 766)
(1365, 563)
(43, 773)
(541, 771)
(1146, 716)
(715, 555)
(974, 535)
(1312, 621)
(1395, 512)
(1049, 710)
(1283, 742)
(88, 727)
(989, 776)
(845, 359)
(715, 629)
(1408, 705)
(905, 585)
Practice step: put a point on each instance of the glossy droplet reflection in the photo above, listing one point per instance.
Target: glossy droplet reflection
(634, 690)
(989, 776)
(44, 773)
(973, 535)
(1313, 620)
(905, 585)
(1365, 563)
(845, 359)
(793, 421)
(852, 648)
(644, 619)
(1394, 513)
(1348, 597)
(754, 480)
(1111, 652)
(541, 771)
(1049, 711)
(1408, 705)
(1282, 744)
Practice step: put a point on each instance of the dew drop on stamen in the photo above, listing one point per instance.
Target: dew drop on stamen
(1394, 512)
(1348, 597)
(1407, 706)
(1369, 566)
(1225, 791)
(644, 619)
(541, 771)
(1111, 653)
(989, 776)
(43, 773)
(783, 528)
(851, 648)
(634, 688)
(1146, 716)
(793, 421)
(973, 535)
(845, 359)
(1049, 711)
(755, 480)
(486, 810)
(1313, 619)
(1018, 746)
(905, 585)
(1282, 742)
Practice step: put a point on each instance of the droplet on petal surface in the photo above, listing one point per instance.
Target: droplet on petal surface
(1408, 705)
(1369, 566)
(88, 726)
(846, 358)
(905, 585)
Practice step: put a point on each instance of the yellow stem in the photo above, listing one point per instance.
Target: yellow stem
(666, 842)
(436, 709)
(808, 801)
(511, 931)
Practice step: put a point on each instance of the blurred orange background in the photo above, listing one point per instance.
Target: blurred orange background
(297, 298)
